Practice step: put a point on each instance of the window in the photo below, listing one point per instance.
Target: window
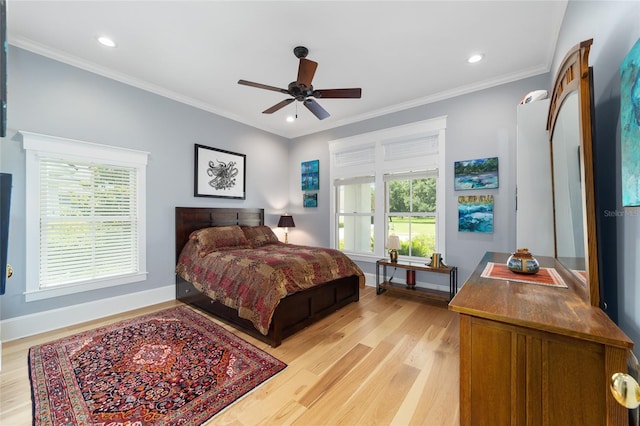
(411, 212)
(355, 214)
(385, 182)
(89, 203)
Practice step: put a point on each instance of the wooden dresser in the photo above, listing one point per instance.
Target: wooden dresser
(536, 355)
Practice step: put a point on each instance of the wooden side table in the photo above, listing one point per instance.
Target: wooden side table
(385, 284)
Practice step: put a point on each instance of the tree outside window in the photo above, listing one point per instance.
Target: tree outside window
(411, 213)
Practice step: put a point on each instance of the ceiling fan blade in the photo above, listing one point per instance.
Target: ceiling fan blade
(262, 86)
(306, 71)
(316, 109)
(278, 106)
(338, 93)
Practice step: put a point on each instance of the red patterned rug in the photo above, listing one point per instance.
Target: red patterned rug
(173, 367)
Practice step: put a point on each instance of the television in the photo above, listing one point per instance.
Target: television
(4, 54)
(5, 207)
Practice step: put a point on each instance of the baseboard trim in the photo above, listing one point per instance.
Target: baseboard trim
(29, 325)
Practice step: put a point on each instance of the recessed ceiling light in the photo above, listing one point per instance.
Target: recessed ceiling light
(290, 119)
(106, 41)
(475, 58)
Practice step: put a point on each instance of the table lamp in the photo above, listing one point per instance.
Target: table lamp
(393, 244)
(286, 222)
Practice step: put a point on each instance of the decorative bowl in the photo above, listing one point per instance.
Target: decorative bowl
(523, 262)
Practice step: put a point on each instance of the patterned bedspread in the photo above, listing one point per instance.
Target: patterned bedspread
(254, 280)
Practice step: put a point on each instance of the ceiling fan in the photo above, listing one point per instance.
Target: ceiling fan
(302, 90)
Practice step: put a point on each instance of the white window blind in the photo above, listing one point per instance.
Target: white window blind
(425, 174)
(411, 148)
(86, 204)
(88, 221)
(354, 157)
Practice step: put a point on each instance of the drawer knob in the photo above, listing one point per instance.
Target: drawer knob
(625, 390)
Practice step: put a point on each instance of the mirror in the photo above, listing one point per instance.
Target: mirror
(567, 181)
(569, 126)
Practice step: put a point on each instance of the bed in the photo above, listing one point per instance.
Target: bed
(292, 313)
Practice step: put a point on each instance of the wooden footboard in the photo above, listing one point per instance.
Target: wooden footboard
(294, 312)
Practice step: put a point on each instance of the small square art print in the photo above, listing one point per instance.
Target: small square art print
(475, 213)
(310, 199)
(476, 174)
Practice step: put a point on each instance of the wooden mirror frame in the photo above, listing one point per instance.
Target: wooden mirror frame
(574, 75)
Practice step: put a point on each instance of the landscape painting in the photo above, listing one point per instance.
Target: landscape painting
(475, 213)
(476, 174)
(630, 126)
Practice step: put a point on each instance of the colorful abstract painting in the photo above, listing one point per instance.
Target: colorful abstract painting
(310, 175)
(310, 199)
(475, 213)
(630, 126)
(476, 174)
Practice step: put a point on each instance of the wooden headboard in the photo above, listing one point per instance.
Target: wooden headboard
(188, 219)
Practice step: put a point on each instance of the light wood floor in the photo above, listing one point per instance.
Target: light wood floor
(385, 360)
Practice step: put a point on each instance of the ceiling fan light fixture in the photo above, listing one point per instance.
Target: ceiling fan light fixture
(106, 41)
(302, 90)
(290, 119)
(476, 57)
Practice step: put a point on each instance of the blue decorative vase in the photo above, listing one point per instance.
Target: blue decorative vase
(523, 262)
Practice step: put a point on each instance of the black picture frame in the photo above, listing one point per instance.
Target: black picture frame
(219, 173)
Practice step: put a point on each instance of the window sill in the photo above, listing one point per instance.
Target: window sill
(372, 258)
(47, 293)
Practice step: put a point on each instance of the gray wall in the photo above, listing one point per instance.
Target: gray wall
(56, 99)
(480, 124)
(52, 98)
(615, 28)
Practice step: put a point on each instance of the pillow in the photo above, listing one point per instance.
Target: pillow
(259, 236)
(218, 238)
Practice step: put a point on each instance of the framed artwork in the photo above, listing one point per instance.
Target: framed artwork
(475, 213)
(310, 199)
(310, 175)
(219, 173)
(630, 126)
(476, 174)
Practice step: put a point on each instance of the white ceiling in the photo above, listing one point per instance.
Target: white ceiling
(402, 54)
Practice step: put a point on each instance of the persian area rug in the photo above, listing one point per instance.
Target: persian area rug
(173, 367)
(546, 276)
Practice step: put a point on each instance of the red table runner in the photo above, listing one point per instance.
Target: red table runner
(546, 276)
